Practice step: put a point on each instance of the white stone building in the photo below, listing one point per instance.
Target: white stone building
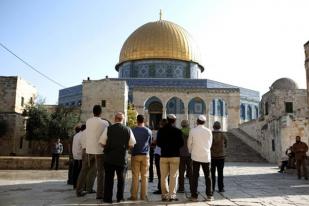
(15, 94)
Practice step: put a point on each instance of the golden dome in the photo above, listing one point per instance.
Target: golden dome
(160, 40)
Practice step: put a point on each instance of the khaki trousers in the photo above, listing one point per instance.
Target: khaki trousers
(140, 165)
(88, 167)
(169, 167)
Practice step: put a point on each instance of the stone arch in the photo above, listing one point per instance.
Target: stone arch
(175, 105)
(151, 100)
(154, 107)
(196, 106)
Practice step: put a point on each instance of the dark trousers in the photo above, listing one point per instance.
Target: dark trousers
(70, 171)
(195, 176)
(301, 163)
(109, 181)
(185, 165)
(217, 165)
(157, 163)
(151, 157)
(55, 158)
(77, 166)
(100, 174)
(284, 165)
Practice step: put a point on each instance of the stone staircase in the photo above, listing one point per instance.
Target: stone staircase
(238, 151)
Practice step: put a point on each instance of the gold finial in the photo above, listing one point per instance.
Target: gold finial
(160, 14)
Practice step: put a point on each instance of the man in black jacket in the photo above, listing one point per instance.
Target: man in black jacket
(116, 140)
(169, 139)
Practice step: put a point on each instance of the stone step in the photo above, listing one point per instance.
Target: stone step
(238, 151)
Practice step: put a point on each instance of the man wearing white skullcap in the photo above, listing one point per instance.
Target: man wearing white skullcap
(169, 139)
(199, 144)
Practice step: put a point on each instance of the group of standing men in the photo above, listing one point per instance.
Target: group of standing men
(101, 150)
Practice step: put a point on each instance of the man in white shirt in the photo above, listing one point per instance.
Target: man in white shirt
(116, 140)
(77, 155)
(90, 175)
(95, 126)
(199, 144)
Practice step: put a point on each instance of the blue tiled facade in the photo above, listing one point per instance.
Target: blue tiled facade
(159, 69)
(249, 99)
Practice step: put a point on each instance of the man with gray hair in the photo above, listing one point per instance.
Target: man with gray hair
(199, 144)
(116, 140)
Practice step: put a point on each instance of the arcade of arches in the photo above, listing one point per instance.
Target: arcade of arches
(217, 105)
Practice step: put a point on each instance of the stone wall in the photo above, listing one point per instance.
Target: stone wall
(33, 163)
(276, 103)
(114, 94)
(273, 137)
(14, 141)
(230, 96)
(7, 93)
(306, 46)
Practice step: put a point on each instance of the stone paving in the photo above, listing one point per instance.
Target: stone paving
(250, 184)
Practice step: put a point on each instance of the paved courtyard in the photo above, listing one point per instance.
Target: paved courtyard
(249, 184)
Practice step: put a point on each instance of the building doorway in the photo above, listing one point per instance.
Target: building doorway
(155, 111)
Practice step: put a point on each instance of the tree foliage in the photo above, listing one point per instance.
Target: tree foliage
(62, 123)
(37, 122)
(42, 125)
(132, 113)
(3, 127)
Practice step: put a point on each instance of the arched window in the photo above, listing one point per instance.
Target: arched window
(220, 107)
(213, 107)
(175, 106)
(242, 111)
(249, 112)
(196, 106)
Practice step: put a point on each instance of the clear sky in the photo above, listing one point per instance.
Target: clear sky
(247, 43)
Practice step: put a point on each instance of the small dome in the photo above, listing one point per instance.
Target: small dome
(284, 84)
(160, 40)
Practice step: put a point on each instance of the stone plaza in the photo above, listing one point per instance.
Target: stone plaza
(250, 184)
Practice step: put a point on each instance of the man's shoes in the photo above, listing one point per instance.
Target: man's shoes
(280, 171)
(107, 201)
(99, 198)
(91, 192)
(120, 200)
(132, 198)
(164, 199)
(209, 198)
(306, 178)
(222, 190)
(158, 192)
(173, 199)
(299, 177)
(81, 194)
(193, 199)
(144, 198)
